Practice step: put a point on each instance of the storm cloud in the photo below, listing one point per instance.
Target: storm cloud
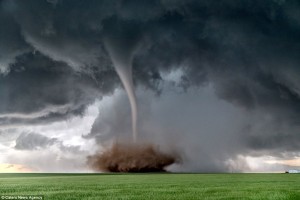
(40, 90)
(241, 57)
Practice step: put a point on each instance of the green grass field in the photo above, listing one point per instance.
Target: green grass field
(153, 186)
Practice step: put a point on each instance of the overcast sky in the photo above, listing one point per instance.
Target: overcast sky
(217, 81)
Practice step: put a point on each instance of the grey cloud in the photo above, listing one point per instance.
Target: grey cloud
(32, 141)
(35, 141)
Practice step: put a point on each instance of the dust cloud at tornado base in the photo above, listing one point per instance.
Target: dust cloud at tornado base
(132, 157)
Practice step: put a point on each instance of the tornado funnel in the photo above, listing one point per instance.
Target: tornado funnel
(121, 51)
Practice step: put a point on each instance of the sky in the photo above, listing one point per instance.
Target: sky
(216, 81)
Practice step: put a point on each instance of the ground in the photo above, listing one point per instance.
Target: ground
(152, 186)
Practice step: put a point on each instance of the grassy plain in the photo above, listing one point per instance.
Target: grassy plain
(152, 186)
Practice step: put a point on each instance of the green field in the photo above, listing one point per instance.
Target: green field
(152, 186)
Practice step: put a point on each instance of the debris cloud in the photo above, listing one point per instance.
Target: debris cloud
(132, 157)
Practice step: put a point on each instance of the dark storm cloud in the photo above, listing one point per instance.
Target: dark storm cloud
(39, 90)
(277, 135)
(276, 141)
(248, 50)
(12, 43)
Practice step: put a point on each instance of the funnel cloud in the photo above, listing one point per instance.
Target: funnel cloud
(121, 51)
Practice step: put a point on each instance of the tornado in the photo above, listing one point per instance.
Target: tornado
(121, 50)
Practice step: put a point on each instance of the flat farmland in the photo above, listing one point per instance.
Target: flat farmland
(152, 186)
